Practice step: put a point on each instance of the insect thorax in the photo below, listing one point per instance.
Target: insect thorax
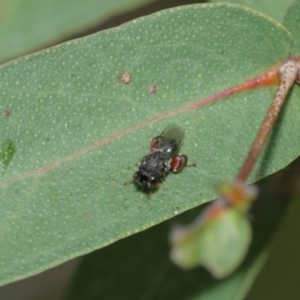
(156, 162)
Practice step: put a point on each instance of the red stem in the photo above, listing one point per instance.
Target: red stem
(288, 75)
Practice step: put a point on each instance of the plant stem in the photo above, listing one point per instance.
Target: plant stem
(288, 75)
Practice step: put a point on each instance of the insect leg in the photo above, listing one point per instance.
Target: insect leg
(164, 184)
(128, 182)
(179, 162)
(154, 145)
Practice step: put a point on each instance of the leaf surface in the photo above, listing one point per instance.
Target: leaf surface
(78, 130)
(274, 9)
(27, 25)
(292, 23)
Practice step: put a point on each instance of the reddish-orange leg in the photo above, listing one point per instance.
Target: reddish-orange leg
(154, 145)
(179, 162)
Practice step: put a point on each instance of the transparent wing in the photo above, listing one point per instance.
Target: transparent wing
(170, 139)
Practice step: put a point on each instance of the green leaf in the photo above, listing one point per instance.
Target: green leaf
(27, 25)
(278, 278)
(200, 243)
(140, 269)
(78, 130)
(274, 9)
(292, 23)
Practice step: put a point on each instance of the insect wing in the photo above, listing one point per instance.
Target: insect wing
(170, 139)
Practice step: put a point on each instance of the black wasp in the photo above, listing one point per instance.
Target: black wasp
(161, 159)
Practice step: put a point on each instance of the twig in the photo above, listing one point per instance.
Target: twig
(288, 75)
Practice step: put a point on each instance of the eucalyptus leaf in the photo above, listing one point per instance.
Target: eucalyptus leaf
(292, 23)
(78, 129)
(27, 25)
(275, 281)
(274, 9)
